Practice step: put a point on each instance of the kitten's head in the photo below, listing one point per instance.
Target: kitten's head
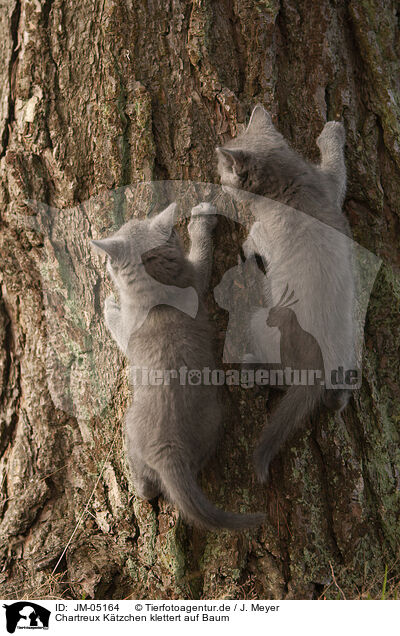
(145, 248)
(247, 161)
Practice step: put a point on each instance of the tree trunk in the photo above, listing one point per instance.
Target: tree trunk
(99, 95)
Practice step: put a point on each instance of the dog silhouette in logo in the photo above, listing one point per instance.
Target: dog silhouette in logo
(298, 348)
(26, 614)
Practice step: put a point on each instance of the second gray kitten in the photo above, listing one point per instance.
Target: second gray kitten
(171, 429)
(303, 239)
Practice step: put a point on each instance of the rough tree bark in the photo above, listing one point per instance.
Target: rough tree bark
(100, 94)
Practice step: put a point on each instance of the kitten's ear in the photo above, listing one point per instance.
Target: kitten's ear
(113, 247)
(260, 121)
(165, 221)
(235, 158)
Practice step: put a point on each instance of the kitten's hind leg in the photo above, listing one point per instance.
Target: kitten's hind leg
(331, 144)
(200, 229)
(144, 480)
(145, 488)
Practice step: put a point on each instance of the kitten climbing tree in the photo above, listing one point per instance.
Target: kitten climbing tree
(95, 98)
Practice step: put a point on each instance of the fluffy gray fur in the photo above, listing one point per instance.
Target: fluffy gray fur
(172, 429)
(303, 238)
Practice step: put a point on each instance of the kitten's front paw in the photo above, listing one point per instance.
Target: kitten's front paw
(333, 132)
(205, 213)
(110, 306)
(203, 208)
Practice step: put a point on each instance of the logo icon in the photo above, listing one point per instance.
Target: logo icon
(26, 615)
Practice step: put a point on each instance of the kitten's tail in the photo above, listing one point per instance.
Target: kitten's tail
(183, 490)
(298, 404)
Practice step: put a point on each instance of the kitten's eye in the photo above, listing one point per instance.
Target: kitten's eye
(117, 267)
(260, 263)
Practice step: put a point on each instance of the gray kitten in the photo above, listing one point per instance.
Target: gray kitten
(172, 428)
(303, 239)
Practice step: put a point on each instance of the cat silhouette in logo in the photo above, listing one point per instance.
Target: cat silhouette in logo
(240, 292)
(22, 612)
